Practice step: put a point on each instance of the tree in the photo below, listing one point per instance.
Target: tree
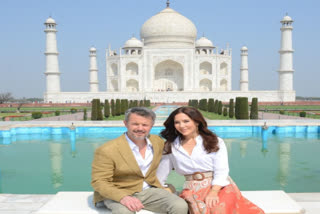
(85, 116)
(231, 108)
(242, 108)
(219, 107)
(106, 108)
(5, 97)
(118, 107)
(211, 105)
(113, 108)
(254, 109)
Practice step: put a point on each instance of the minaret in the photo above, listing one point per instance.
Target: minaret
(94, 84)
(52, 65)
(286, 52)
(244, 80)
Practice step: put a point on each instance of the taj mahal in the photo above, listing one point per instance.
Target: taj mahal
(169, 64)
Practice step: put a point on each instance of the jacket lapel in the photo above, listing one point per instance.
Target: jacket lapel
(127, 154)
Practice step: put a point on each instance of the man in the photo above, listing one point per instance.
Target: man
(124, 170)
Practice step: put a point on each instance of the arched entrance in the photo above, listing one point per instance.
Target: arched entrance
(168, 76)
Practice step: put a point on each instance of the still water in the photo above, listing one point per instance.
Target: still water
(43, 164)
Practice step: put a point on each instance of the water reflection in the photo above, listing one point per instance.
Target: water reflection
(73, 143)
(56, 164)
(284, 163)
(264, 137)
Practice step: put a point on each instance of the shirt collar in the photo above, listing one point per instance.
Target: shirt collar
(133, 146)
(198, 139)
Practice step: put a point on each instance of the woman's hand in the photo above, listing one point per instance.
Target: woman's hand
(212, 199)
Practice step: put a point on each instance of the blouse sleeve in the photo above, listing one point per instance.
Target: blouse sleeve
(221, 165)
(164, 169)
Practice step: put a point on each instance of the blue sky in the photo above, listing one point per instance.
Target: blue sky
(98, 23)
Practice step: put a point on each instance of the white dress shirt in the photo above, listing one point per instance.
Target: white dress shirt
(198, 161)
(144, 164)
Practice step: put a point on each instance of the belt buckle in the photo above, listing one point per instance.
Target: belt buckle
(198, 179)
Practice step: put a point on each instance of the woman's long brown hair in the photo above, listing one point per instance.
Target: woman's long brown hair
(210, 140)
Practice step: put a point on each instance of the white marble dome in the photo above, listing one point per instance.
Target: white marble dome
(287, 19)
(50, 21)
(203, 42)
(244, 48)
(133, 43)
(168, 29)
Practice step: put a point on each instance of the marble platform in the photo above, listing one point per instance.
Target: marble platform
(272, 202)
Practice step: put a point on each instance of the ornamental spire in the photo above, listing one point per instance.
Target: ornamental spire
(168, 3)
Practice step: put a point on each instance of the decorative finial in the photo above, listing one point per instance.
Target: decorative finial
(202, 34)
(133, 35)
(168, 3)
(286, 13)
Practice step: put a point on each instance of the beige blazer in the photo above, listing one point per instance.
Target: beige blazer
(115, 171)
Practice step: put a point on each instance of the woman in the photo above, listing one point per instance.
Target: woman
(198, 154)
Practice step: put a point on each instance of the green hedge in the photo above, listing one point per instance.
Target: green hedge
(254, 109)
(231, 108)
(36, 115)
(242, 107)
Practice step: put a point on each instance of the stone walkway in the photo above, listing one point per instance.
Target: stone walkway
(28, 204)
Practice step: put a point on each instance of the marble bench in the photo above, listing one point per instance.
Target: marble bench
(272, 202)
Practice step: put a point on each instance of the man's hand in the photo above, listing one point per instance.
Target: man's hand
(132, 203)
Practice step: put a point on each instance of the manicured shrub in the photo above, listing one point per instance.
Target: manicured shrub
(211, 105)
(203, 105)
(122, 106)
(141, 104)
(96, 113)
(254, 112)
(118, 107)
(281, 112)
(130, 103)
(106, 109)
(216, 106)
(73, 110)
(99, 110)
(57, 113)
(113, 108)
(225, 111)
(85, 116)
(231, 108)
(148, 103)
(36, 115)
(135, 103)
(219, 107)
(189, 103)
(242, 107)
(303, 114)
(195, 103)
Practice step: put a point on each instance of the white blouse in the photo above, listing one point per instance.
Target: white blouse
(198, 161)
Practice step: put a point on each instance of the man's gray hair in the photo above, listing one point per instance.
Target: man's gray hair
(141, 111)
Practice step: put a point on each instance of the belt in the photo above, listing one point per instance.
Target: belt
(198, 176)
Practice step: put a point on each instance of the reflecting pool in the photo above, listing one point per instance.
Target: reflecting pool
(47, 161)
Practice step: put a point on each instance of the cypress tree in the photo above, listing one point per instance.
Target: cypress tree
(141, 103)
(113, 108)
(118, 107)
(135, 103)
(211, 105)
(219, 107)
(85, 116)
(189, 103)
(254, 109)
(99, 111)
(94, 113)
(216, 106)
(225, 111)
(231, 108)
(106, 108)
(122, 106)
(242, 108)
